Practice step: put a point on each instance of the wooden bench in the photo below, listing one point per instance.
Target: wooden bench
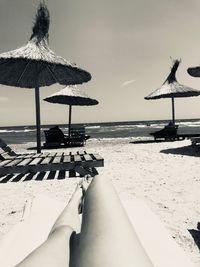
(81, 163)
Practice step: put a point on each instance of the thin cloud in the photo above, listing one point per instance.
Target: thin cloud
(127, 83)
(3, 99)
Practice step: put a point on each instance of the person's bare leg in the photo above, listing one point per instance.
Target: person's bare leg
(55, 251)
(107, 237)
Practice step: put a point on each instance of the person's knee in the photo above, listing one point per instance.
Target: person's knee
(62, 230)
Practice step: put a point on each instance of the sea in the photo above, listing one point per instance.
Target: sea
(126, 129)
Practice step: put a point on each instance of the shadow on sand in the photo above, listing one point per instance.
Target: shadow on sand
(196, 235)
(185, 150)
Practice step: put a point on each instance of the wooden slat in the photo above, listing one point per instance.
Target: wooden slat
(87, 157)
(35, 161)
(77, 158)
(4, 162)
(38, 155)
(52, 154)
(9, 150)
(29, 156)
(46, 160)
(13, 162)
(57, 159)
(25, 162)
(59, 154)
(97, 157)
(5, 155)
(20, 156)
(67, 158)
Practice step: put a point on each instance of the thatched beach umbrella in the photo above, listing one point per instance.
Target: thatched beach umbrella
(72, 96)
(35, 65)
(172, 89)
(194, 71)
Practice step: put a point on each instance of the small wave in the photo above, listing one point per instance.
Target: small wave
(93, 127)
(16, 131)
(190, 124)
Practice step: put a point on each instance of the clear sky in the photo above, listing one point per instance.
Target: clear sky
(125, 45)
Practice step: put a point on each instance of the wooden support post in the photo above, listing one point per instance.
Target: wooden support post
(37, 110)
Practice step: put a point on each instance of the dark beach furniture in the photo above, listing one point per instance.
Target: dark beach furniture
(195, 141)
(169, 132)
(29, 165)
(79, 133)
(56, 138)
(7, 150)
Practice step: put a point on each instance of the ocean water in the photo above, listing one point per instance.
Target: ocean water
(24, 134)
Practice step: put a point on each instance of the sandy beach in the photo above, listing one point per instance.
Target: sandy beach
(165, 175)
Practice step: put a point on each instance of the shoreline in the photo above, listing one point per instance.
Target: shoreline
(163, 174)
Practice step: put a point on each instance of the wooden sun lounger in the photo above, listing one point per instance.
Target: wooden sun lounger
(81, 163)
(170, 133)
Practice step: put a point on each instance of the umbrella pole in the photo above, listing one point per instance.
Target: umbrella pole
(173, 111)
(70, 116)
(37, 107)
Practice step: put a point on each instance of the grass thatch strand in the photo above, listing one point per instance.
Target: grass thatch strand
(41, 26)
(172, 76)
(174, 89)
(39, 52)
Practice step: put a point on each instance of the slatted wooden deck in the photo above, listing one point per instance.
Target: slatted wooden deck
(48, 166)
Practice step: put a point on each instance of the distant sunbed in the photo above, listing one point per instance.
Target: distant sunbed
(170, 133)
(56, 138)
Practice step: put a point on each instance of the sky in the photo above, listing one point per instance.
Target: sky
(127, 47)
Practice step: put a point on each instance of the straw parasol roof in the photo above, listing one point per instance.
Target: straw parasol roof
(194, 71)
(172, 89)
(72, 96)
(35, 65)
(35, 62)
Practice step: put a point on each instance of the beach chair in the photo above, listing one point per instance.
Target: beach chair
(77, 134)
(169, 132)
(12, 163)
(41, 212)
(56, 138)
(7, 150)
